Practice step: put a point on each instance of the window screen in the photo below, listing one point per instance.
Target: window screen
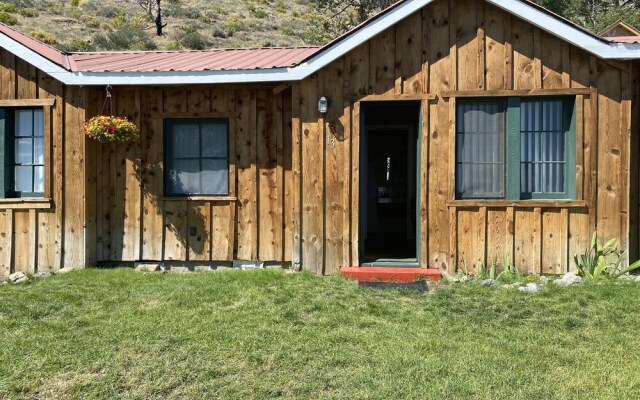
(542, 147)
(196, 157)
(480, 149)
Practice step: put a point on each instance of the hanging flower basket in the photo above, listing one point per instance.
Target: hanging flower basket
(111, 129)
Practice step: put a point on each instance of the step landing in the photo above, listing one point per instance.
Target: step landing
(390, 274)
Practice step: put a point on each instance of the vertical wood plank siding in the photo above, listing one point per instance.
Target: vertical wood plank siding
(36, 239)
(471, 46)
(134, 221)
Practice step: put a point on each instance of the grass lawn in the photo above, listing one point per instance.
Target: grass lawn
(266, 334)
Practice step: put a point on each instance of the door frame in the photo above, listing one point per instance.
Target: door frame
(362, 192)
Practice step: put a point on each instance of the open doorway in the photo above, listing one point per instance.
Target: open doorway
(389, 171)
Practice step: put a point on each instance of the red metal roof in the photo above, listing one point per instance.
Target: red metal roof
(624, 39)
(207, 60)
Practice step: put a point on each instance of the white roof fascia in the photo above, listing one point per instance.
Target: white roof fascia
(566, 31)
(178, 77)
(30, 56)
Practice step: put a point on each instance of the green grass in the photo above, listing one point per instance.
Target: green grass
(119, 333)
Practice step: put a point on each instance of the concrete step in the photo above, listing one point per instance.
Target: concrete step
(390, 274)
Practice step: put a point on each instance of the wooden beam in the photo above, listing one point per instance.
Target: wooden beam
(281, 88)
(506, 93)
(394, 97)
(519, 203)
(28, 102)
(195, 115)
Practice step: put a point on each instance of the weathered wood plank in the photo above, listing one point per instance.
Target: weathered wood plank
(176, 231)
(554, 239)
(471, 242)
(523, 55)
(336, 156)
(355, 184)
(74, 184)
(223, 224)
(296, 177)
(494, 48)
(497, 233)
(382, 61)
(8, 62)
(440, 79)
(270, 207)
(199, 230)
(287, 170)
(467, 45)
(246, 175)
(151, 144)
(22, 245)
(527, 235)
(408, 57)
(6, 243)
(552, 63)
(312, 178)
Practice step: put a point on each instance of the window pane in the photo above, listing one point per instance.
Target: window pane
(24, 123)
(24, 179)
(38, 151)
(184, 177)
(542, 147)
(38, 122)
(480, 149)
(38, 182)
(214, 140)
(185, 141)
(24, 149)
(215, 177)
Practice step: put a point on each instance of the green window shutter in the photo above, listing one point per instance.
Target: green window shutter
(513, 148)
(570, 148)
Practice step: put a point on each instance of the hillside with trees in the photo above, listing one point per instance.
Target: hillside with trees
(87, 25)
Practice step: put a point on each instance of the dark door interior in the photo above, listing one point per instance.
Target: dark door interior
(389, 182)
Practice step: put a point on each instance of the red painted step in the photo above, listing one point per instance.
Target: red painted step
(390, 274)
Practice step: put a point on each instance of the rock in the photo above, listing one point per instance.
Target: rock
(489, 282)
(65, 270)
(223, 269)
(276, 266)
(531, 287)
(569, 279)
(248, 267)
(544, 279)
(637, 278)
(627, 278)
(42, 275)
(511, 285)
(180, 270)
(203, 268)
(458, 278)
(18, 277)
(148, 267)
(290, 271)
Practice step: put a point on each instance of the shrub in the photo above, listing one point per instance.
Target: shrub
(260, 14)
(8, 19)
(9, 8)
(77, 45)
(124, 39)
(44, 37)
(602, 260)
(195, 41)
(173, 45)
(28, 12)
(75, 3)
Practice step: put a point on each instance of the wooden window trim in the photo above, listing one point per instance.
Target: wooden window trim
(519, 203)
(46, 104)
(517, 93)
(200, 198)
(186, 196)
(512, 160)
(26, 203)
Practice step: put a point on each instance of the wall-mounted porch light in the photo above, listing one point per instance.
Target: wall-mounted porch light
(323, 105)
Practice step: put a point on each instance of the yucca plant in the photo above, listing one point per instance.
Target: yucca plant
(602, 260)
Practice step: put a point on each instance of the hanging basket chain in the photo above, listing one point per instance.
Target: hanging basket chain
(107, 99)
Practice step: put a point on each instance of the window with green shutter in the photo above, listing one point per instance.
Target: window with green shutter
(22, 152)
(516, 148)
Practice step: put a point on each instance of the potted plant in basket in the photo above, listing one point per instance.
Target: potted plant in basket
(111, 129)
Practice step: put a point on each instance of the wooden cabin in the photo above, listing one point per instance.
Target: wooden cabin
(439, 134)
